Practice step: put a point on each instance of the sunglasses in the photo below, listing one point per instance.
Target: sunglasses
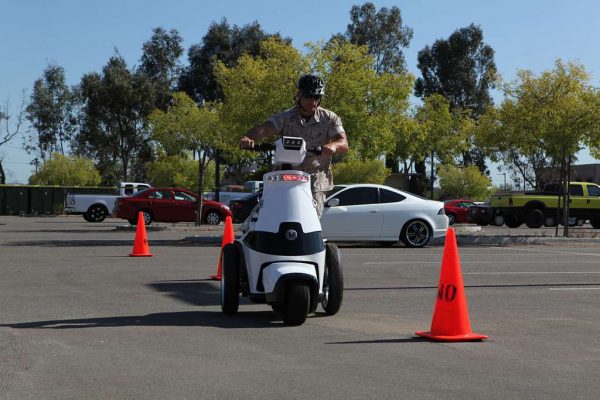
(312, 97)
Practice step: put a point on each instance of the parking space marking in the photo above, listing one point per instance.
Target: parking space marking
(488, 262)
(531, 273)
(462, 253)
(560, 252)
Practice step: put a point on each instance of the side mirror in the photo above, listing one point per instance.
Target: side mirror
(333, 202)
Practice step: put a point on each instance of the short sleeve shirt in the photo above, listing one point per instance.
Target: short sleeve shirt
(320, 129)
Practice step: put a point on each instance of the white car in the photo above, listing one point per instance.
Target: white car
(367, 212)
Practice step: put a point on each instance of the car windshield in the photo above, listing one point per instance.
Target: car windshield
(143, 193)
(251, 196)
(412, 194)
(334, 190)
(184, 196)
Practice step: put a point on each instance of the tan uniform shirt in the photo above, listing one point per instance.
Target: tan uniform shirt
(322, 127)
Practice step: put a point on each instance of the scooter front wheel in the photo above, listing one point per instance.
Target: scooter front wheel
(297, 302)
(230, 280)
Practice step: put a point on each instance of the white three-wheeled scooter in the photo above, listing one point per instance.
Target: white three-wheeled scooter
(281, 259)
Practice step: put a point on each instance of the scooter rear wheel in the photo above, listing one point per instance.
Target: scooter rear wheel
(230, 280)
(297, 302)
(333, 283)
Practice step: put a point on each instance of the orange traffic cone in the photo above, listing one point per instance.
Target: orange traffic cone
(450, 316)
(140, 244)
(228, 237)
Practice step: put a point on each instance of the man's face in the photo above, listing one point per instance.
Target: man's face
(309, 104)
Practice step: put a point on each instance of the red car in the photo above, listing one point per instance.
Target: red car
(168, 205)
(457, 210)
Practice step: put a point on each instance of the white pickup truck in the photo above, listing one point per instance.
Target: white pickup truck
(226, 194)
(96, 207)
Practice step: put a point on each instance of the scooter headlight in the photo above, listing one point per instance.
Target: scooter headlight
(288, 178)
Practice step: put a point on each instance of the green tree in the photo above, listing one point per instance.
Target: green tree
(177, 171)
(462, 69)
(465, 182)
(382, 32)
(444, 132)
(253, 89)
(358, 171)
(64, 170)
(186, 127)
(373, 107)
(160, 62)
(51, 113)
(222, 43)
(555, 114)
(114, 112)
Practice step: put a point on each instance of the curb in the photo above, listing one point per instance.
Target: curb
(132, 228)
(462, 240)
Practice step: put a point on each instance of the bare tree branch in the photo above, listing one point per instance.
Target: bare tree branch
(6, 133)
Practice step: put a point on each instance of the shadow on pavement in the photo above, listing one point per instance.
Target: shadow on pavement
(97, 243)
(254, 319)
(201, 292)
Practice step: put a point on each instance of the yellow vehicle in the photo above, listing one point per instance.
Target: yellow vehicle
(541, 208)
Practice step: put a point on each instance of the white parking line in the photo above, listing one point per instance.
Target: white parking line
(559, 252)
(466, 253)
(487, 262)
(531, 273)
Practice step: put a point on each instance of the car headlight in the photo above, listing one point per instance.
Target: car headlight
(225, 207)
(441, 212)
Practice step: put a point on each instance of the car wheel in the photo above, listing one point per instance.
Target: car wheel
(534, 218)
(87, 217)
(416, 233)
(97, 213)
(512, 220)
(230, 280)
(213, 218)
(297, 303)
(498, 220)
(595, 222)
(333, 281)
(451, 219)
(148, 217)
(549, 221)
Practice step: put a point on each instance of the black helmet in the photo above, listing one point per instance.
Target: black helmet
(311, 85)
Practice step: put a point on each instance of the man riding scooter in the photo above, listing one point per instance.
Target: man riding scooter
(317, 126)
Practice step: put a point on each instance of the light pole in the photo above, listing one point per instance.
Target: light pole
(504, 173)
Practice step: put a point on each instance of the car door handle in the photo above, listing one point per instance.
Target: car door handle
(373, 212)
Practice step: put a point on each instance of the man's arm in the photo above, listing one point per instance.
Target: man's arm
(339, 145)
(266, 129)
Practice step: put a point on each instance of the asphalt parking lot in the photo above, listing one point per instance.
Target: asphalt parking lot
(80, 319)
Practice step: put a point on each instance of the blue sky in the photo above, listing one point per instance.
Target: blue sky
(82, 35)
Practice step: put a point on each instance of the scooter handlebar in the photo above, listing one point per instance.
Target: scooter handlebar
(263, 147)
(270, 146)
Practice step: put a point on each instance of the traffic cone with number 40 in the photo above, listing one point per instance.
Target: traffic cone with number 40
(450, 321)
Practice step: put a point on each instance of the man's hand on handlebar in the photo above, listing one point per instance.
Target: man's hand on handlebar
(328, 150)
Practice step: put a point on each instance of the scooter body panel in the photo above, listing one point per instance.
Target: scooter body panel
(259, 265)
(286, 201)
